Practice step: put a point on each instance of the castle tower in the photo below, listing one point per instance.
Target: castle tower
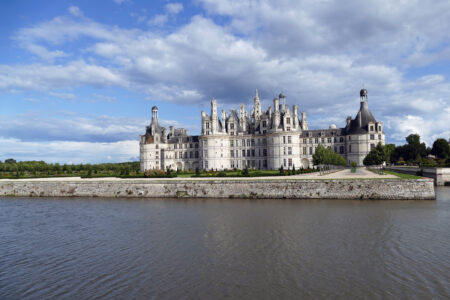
(257, 107)
(276, 113)
(214, 117)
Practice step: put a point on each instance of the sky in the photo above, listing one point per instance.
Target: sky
(78, 78)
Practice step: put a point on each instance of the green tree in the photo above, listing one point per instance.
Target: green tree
(376, 156)
(10, 161)
(441, 148)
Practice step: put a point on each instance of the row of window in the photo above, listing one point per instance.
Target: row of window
(191, 154)
(248, 142)
(180, 146)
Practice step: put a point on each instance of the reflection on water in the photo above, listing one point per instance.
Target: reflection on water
(121, 248)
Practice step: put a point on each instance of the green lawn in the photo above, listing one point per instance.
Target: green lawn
(401, 175)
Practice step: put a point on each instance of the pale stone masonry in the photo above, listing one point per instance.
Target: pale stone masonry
(392, 189)
(260, 139)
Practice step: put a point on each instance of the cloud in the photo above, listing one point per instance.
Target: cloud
(158, 20)
(320, 53)
(121, 1)
(173, 8)
(75, 11)
(69, 151)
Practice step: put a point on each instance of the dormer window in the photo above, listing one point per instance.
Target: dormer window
(371, 127)
(207, 125)
(232, 126)
(288, 120)
(264, 124)
(379, 128)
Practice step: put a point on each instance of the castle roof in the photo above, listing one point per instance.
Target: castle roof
(360, 123)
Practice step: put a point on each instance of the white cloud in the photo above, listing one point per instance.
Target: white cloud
(158, 20)
(319, 53)
(75, 11)
(174, 8)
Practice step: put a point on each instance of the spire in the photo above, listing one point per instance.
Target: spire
(256, 94)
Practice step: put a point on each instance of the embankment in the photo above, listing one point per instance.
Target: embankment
(402, 189)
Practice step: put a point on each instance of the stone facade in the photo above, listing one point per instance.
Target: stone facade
(392, 189)
(259, 139)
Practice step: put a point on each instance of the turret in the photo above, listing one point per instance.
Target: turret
(304, 121)
(276, 113)
(257, 107)
(154, 115)
(214, 117)
(295, 110)
(224, 118)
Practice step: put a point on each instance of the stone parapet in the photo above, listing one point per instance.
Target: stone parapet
(383, 189)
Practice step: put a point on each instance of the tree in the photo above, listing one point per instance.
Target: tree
(389, 150)
(441, 148)
(376, 156)
(10, 161)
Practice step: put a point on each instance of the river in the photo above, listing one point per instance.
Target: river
(87, 248)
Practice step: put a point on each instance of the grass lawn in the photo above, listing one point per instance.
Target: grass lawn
(401, 175)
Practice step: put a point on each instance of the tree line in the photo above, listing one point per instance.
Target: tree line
(11, 167)
(412, 153)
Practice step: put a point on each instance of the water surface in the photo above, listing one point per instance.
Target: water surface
(87, 248)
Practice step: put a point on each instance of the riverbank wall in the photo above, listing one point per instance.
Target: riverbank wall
(382, 189)
(441, 176)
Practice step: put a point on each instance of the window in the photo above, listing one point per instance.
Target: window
(207, 125)
(284, 162)
(288, 120)
(191, 154)
(335, 139)
(248, 143)
(323, 140)
(237, 153)
(265, 164)
(371, 127)
(253, 142)
(243, 153)
(305, 141)
(196, 154)
(341, 139)
(310, 141)
(232, 126)
(310, 150)
(304, 150)
(329, 140)
(176, 156)
(284, 140)
(289, 140)
(232, 164)
(289, 150)
(253, 152)
(248, 152)
(264, 152)
(379, 128)
(264, 123)
(316, 140)
(288, 128)
(379, 136)
(341, 149)
(290, 162)
(284, 150)
(205, 153)
(191, 146)
(206, 164)
(185, 155)
(175, 146)
(157, 152)
(335, 149)
(372, 136)
(196, 145)
(232, 133)
(349, 137)
(372, 146)
(349, 148)
(232, 143)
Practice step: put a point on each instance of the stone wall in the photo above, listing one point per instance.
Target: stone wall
(293, 189)
(441, 176)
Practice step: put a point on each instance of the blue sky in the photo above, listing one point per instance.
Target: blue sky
(78, 78)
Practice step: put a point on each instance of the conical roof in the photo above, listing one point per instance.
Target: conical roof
(362, 119)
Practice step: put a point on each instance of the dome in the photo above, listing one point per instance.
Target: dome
(281, 95)
(333, 126)
(363, 93)
(154, 108)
